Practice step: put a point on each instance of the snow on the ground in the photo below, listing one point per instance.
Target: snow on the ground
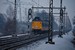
(9, 36)
(60, 44)
(6, 36)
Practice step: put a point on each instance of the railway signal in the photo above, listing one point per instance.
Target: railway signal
(29, 17)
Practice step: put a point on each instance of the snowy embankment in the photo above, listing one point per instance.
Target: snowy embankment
(60, 44)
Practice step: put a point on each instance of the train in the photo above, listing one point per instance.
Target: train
(41, 22)
(39, 26)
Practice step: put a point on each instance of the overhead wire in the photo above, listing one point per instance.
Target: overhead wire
(36, 3)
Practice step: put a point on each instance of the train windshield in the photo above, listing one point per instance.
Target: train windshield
(37, 19)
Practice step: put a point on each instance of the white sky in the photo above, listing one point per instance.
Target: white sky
(70, 5)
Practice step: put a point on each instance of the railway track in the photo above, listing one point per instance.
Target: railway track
(8, 44)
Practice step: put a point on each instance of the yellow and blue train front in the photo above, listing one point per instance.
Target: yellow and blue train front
(36, 26)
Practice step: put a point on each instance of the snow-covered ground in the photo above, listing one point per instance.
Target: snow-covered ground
(60, 44)
(9, 36)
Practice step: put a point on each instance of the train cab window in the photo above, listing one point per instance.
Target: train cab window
(37, 19)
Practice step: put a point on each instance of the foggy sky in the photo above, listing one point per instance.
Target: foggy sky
(70, 5)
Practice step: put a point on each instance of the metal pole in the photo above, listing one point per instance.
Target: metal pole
(61, 20)
(14, 21)
(20, 10)
(64, 22)
(50, 31)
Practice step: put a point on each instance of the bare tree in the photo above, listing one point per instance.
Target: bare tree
(9, 23)
(10, 12)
